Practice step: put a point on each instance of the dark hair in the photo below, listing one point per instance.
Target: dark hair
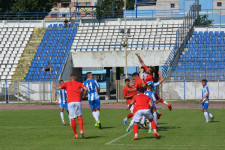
(204, 80)
(73, 75)
(88, 73)
(150, 86)
(127, 80)
(135, 74)
(61, 81)
(152, 69)
(141, 90)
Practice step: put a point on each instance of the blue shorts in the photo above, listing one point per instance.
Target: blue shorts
(94, 104)
(205, 106)
(63, 106)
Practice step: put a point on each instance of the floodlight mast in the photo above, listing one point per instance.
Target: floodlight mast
(125, 35)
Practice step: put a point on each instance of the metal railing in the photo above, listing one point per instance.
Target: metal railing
(26, 91)
(182, 36)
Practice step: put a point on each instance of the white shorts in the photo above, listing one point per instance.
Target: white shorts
(74, 109)
(143, 112)
(131, 109)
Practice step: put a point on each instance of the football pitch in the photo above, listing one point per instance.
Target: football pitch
(42, 130)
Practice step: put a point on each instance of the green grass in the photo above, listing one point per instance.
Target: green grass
(42, 129)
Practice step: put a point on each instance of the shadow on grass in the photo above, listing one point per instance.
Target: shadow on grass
(216, 121)
(92, 137)
(167, 128)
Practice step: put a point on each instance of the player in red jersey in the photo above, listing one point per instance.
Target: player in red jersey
(148, 75)
(141, 108)
(138, 82)
(73, 89)
(133, 86)
(128, 97)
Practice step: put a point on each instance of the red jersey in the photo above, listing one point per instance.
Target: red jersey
(135, 92)
(141, 102)
(147, 77)
(138, 83)
(73, 90)
(125, 89)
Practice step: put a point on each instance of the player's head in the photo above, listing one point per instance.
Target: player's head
(61, 82)
(150, 87)
(127, 82)
(89, 75)
(135, 75)
(204, 82)
(133, 81)
(152, 69)
(141, 90)
(73, 77)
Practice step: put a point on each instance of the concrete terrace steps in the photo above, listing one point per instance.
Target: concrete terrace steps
(28, 55)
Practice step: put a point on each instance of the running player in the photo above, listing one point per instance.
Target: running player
(148, 75)
(62, 101)
(205, 101)
(155, 84)
(93, 97)
(128, 97)
(141, 108)
(73, 89)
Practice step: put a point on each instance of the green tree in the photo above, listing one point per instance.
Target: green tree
(113, 8)
(204, 21)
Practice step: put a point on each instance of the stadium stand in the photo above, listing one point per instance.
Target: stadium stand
(13, 40)
(55, 47)
(141, 36)
(203, 58)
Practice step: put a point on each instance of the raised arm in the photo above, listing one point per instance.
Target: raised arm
(140, 60)
(131, 103)
(161, 79)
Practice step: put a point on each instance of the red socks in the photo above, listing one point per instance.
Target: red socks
(153, 125)
(80, 122)
(135, 128)
(129, 115)
(161, 100)
(73, 123)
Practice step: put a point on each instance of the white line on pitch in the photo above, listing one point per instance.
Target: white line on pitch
(116, 139)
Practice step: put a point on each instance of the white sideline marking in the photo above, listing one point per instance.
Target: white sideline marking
(116, 139)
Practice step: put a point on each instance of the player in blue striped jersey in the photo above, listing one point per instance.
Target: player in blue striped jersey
(62, 101)
(205, 101)
(93, 97)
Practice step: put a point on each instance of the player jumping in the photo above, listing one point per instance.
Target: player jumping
(128, 97)
(62, 102)
(73, 89)
(141, 108)
(148, 75)
(93, 97)
(205, 101)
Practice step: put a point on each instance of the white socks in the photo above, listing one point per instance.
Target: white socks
(206, 116)
(96, 115)
(150, 126)
(165, 102)
(125, 119)
(210, 115)
(62, 116)
(135, 134)
(155, 118)
(131, 124)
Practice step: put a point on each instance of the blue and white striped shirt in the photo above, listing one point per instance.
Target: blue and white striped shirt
(205, 90)
(92, 85)
(62, 96)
